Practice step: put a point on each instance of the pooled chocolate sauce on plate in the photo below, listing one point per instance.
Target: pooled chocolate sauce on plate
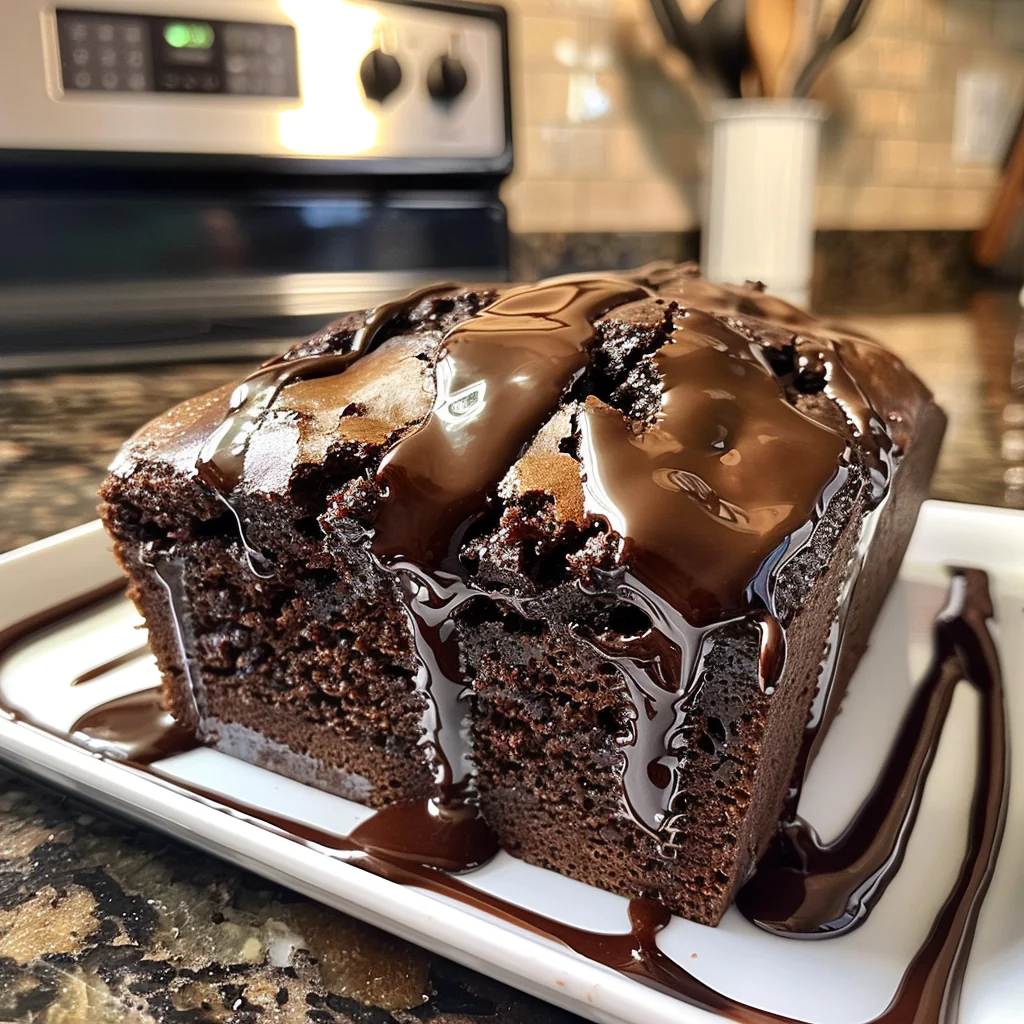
(807, 887)
(108, 666)
(132, 728)
(397, 843)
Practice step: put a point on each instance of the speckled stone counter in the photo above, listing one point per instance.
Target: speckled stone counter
(101, 921)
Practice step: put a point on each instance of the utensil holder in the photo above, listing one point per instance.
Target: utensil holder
(759, 214)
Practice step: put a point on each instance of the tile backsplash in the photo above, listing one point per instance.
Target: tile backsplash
(610, 122)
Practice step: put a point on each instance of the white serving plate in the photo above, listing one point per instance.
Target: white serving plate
(847, 980)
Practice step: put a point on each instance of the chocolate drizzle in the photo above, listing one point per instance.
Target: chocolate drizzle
(501, 375)
(809, 888)
(108, 666)
(400, 845)
(221, 463)
(431, 600)
(132, 728)
(710, 470)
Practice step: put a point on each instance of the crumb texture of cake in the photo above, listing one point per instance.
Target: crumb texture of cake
(585, 558)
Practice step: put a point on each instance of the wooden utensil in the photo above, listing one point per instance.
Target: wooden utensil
(990, 241)
(802, 43)
(770, 28)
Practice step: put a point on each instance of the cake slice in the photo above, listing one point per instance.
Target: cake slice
(573, 556)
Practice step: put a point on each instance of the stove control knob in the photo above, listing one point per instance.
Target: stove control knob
(380, 75)
(446, 78)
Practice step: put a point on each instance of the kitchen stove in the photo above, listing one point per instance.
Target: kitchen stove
(207, 178)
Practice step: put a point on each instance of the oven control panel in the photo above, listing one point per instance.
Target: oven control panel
(124, 53)
(394, 85)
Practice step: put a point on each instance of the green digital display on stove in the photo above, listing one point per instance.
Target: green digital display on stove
(189, 35)
(117, 52)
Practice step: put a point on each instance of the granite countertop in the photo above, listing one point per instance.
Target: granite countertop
(102, 921)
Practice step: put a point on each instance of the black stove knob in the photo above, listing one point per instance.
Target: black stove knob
(446, 78)
(380, 75)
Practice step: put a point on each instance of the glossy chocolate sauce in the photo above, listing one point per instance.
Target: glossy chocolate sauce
(809, 888)
(221, 463)
(397, 843)
(744, 477)
(134, 728)
(108, 666)
(708, 503)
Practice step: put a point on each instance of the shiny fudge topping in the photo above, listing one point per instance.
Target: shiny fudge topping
(704, 502)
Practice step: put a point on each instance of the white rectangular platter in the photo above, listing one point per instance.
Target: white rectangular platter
(847, 980)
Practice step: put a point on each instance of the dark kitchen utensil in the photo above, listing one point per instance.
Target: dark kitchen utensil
(724, 27)
(716, 46)
(680, 32)
(846, 24)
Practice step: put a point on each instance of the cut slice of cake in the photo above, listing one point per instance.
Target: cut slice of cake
(575, 556)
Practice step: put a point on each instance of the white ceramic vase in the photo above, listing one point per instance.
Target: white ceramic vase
(759, 213)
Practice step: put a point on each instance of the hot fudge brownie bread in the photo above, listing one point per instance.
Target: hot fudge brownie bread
(573, 556)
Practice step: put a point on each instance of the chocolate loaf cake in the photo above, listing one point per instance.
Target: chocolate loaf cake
(574, 558)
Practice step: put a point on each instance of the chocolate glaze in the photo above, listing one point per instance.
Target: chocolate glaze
(108, 666)
(809, 888)
(757, 472)
(729, 464)
(221, 463)
(706, 504)
(501, 376)
(134, 727)
(385, 844)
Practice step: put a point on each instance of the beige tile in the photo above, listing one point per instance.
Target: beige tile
(917, 208)
(628, 155)
(983, 176)
(852, 163)
(595, 98)
(541, 205)
(563, 153)
(886, 164)
(607, 206)
(931, 16)
(885, 14)
(870, 207)
(966, 208)
(1008, 26)
(902, 62)
(926, 116)
(896, 160)
(935, 163)
(877, 108)
(536, 39)
(664, 206)
(969, 21)
(681, 155)
(856, 64)
(543, 96)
